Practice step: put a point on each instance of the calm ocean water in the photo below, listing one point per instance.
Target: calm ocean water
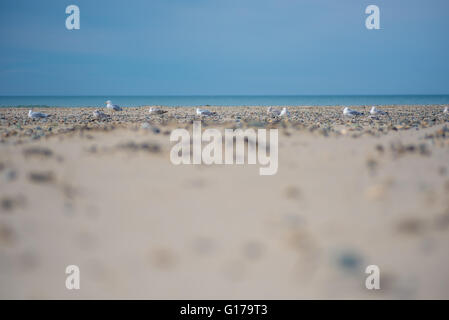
(134, 101)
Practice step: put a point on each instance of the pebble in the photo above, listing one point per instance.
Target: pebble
(411, 226)
(292, 192)
(41, 177)
(380, 148)
(9, 175)
(147, 126)
(144, 146)
(371, 164)
(38, 151)
(349, 261)
(9, 203)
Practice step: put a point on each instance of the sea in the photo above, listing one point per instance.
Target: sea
(224, 100)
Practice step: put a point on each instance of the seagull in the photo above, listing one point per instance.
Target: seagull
(36, 115)
(99, 114)
(284, 113)
(114, 107)
(273, 112)
(157, 111)
(376, 112)
(446, 110)
(203, 112)
(350, 112)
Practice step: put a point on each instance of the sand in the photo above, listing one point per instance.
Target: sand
(103, 195)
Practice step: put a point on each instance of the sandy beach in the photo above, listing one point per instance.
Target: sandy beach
(103, 195)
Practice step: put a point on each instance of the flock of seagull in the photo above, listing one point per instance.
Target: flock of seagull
(98, 114)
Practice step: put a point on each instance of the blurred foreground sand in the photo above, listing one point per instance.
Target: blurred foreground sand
(348, 193)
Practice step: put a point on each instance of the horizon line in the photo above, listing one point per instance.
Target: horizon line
(228, 95)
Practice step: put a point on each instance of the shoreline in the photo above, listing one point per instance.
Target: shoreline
(230, 106)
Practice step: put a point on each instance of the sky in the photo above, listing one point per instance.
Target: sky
(224, 47)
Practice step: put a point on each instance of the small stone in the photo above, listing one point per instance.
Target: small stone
(292, 192)
(147, 126)
(37, 151)
(7, 204)
(349, 261)
(411, 226)
(9, 175)
(155, 130)
(380, 148)
(424, 150)
(41, 177)
(256, 124)
(145, 146)
(92, 149)
(371, 163)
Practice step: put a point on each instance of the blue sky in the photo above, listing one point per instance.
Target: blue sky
(214, 47)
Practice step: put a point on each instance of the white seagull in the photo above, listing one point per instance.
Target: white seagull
(284, 113)
(273, 112)
(446, 110)
(99, 114)
(157, 111)
(203, 112)
(114, 107)
(376, 112)
(36, 115)
(350, 112)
